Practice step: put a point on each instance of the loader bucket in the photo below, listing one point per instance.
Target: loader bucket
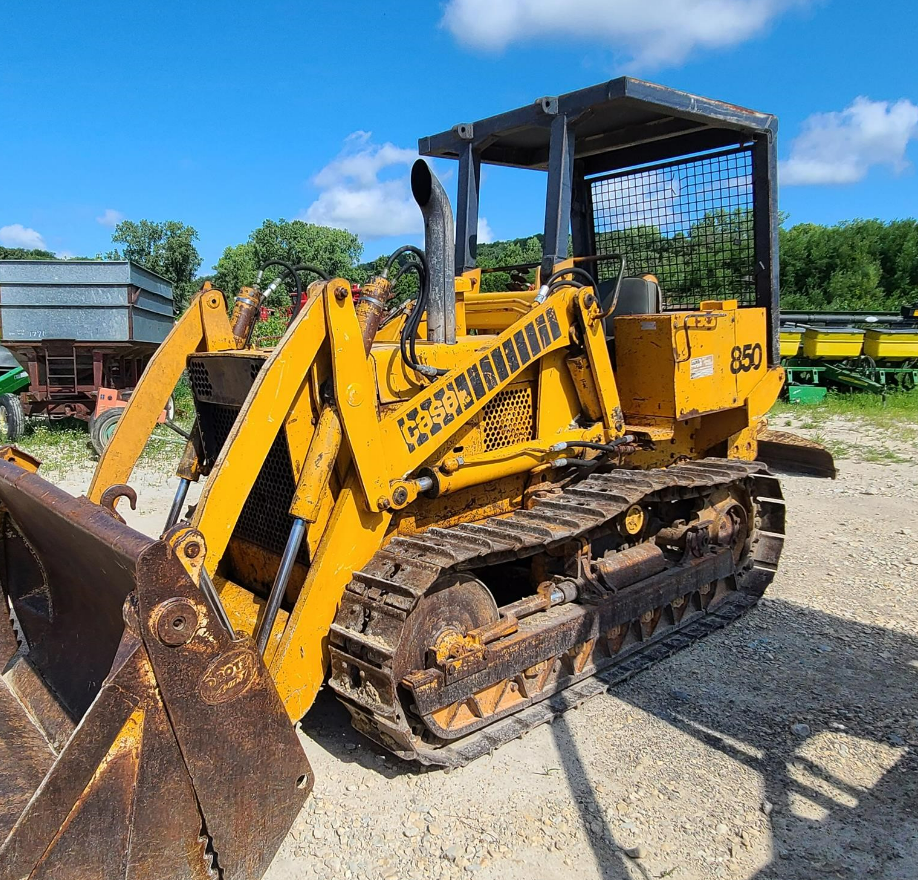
(138, 738)
(790, 453)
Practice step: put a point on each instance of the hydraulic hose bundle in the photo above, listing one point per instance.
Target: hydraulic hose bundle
(408, 336)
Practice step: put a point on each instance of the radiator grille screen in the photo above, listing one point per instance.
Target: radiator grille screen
(508, 418)
(265, 520)
(690, 223)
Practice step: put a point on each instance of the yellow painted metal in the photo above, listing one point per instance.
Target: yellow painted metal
(495, 312)
(685, 364)
(20, 458)
(892, 345)
(480, 470)
(353, 535)
(832, 343)
(318, 467)
(204, 327)
(244, 608)
(300, 427)
(411, 431)
(764, 395)
(387, 423)
(633, 520)
(558, 405)
(594, 341)
(397, 383)
(265, 410)
(791, 340)
(355, 394)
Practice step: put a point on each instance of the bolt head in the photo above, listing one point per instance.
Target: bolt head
(400, 495)
(341, 292)
(175, 621)
(192, 549)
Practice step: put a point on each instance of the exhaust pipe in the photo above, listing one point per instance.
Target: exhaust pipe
(439, 245)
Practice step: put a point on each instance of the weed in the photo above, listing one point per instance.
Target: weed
(882, 455)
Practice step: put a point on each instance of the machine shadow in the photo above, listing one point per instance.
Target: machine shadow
(785, 665)
(803, 695)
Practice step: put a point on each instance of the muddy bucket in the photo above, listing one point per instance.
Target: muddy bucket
(138, 737)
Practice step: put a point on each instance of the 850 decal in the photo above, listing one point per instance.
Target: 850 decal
(746, 358)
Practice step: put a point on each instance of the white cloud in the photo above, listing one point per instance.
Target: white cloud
(842, 147)
(657, 34)
(110, 217)
(366, 190)
(485, 233)
(17, 235)
(650, 198)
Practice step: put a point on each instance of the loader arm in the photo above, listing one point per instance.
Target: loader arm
(378, 456)
(204, 327)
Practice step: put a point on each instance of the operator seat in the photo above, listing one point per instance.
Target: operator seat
(638, 296)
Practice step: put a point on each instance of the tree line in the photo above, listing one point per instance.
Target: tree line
(851, 266)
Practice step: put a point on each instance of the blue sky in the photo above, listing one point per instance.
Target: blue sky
(224, 114)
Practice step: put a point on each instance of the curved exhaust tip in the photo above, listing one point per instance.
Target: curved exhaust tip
(421, 182)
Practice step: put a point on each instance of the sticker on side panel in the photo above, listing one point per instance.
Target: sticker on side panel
(648, 325)
(700, 367)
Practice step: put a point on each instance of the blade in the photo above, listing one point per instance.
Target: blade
(792, 454)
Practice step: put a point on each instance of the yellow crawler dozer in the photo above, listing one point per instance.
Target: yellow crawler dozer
(463, 515)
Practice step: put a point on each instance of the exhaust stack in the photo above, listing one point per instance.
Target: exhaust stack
(439, 245)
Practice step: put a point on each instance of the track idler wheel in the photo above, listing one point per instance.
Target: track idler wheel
(439, 628)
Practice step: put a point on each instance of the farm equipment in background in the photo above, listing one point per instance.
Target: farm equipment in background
(465, 517)
(84, 332)
(859, 351)
(13, 380)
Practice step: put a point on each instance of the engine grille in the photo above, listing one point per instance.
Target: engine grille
(265, 520)
(508, 418)
(200, 380)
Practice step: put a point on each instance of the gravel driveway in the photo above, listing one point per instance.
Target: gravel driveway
(783, 747)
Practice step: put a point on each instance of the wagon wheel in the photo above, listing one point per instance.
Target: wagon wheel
(102, 428)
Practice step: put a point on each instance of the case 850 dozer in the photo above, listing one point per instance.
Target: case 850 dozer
(464, 516)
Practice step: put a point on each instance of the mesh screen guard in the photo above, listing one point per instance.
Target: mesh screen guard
(689, 223)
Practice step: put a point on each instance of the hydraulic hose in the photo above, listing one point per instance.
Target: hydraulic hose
(557, 280)
(308, 267)
(405, 249)
(408, 336)
(288, 267)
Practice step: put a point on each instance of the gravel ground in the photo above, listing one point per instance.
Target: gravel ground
(783, 747)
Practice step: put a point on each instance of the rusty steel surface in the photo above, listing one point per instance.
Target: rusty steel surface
(118, 801)
(249, 771)
(552, 658)
(791, 453)
(66, 568)
(138, 739)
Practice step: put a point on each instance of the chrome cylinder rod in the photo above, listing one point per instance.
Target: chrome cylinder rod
(279, 587)
(213, 597)
(177, 504)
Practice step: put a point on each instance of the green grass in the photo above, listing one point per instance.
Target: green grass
(63, 445)
(64, 448)
(893, 410)
(884, 422)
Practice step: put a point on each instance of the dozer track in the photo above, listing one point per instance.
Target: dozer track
(450, 714)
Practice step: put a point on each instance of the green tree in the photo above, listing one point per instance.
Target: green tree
(512, 252)
(165, 248)
(8, 253)
(334, 250)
